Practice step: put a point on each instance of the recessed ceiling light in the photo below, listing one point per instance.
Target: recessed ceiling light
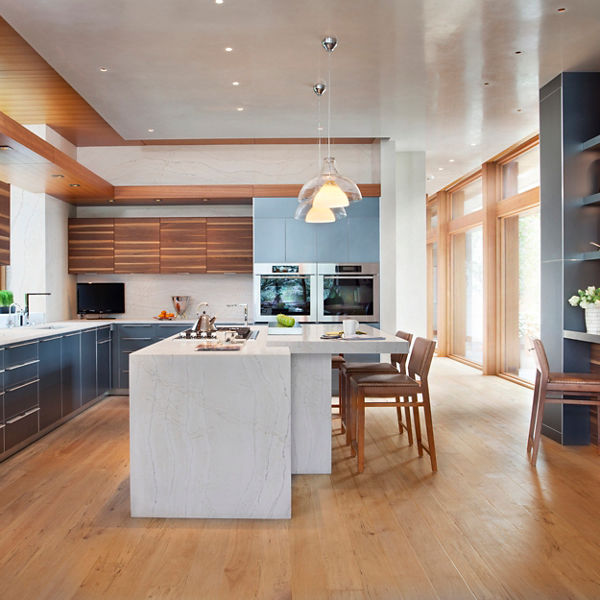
(473, 144)
(450, 160)
(440, 168)
(235, 83)
(320, 128)
(486, 83)
(111, 200)
(519, 110)
(57, 175)
(5, 148)
(218, 1)
(562, 9)
(103, 69)
(74, 185)
(430, 178)
(228, 49)
(240, 108)
(157, 199)
(204, 199)
(150, 130)
(518, 51)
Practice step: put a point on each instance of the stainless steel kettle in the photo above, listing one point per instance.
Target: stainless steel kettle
(205, 323)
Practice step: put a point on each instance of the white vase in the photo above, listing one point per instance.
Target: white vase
(592, 319)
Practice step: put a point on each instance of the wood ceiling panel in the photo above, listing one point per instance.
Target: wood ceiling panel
(35, 165)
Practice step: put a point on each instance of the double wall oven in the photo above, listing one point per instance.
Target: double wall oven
(313, 292)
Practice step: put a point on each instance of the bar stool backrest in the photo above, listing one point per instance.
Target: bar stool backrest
(541, 359)
(420, 358)
(400, 359)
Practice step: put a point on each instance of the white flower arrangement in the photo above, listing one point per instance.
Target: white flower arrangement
(586, 298)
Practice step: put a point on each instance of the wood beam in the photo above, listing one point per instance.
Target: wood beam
(30, 162)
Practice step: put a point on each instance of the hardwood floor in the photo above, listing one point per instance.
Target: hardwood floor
(485, 525)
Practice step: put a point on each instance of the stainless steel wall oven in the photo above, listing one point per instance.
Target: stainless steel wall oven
(348, 290)
(288, 288)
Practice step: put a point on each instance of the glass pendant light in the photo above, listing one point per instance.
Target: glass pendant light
(323, 198)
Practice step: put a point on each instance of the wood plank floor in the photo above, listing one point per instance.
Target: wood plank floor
(485, 526)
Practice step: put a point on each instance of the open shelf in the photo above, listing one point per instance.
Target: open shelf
(592, 144)
(591, 200)
(581, 336)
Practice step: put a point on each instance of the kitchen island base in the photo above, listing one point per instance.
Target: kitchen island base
(210, 438)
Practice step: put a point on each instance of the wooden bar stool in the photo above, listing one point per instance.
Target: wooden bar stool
(586, 385)
(397, 364)
(337, 361)
(400, 387)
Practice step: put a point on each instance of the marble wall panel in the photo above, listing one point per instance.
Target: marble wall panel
(222, 165)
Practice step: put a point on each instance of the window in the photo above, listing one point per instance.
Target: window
(521, 291)
(432, 217)
(468, 199)
(432, 291)
(467, 294)
(521, 174)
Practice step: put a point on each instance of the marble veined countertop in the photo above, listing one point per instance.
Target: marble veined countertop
(309, 342)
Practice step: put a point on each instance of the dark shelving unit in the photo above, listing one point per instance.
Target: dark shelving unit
(569, 189)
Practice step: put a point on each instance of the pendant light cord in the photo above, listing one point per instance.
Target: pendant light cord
(330, 52)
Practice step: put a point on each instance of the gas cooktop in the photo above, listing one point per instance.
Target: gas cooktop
(242, 333)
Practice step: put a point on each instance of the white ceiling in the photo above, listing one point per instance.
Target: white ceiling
(412, 70)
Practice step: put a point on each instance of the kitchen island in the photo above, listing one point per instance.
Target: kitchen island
(219, 434)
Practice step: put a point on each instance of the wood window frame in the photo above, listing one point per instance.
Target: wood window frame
(490, 216)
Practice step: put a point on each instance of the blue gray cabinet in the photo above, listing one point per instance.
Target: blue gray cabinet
(103, 360)
(21, 392)
(135, 336)
(50, 381)
(269, 240)
(279, 237)
(71, 371)
(2, 422)
(88, 366)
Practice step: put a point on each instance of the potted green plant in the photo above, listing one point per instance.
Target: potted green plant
(589, 300)
(6, 299)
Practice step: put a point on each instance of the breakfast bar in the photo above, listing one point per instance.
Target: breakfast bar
(219, 434)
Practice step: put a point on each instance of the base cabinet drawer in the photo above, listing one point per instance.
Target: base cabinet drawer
(21, 427)
(20, 399)
(20, 354)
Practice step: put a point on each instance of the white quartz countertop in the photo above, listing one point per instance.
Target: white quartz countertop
(14, 335)
(309, 342)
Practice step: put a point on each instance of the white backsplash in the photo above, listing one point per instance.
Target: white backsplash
(147, 295)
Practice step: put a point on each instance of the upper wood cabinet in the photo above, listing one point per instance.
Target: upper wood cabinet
(4, 223)
(161, 245)
(183, 245)
(137, 245)
(229, 245)
(91, 245)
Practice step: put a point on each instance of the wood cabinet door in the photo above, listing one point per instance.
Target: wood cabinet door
(4, 223)
(137, 243)
(229, 245)
(183, 245)
(91, 245)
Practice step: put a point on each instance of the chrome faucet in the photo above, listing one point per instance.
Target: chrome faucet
(245, 307)
(26, 312)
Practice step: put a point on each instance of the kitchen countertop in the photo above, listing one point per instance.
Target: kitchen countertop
(309, 342)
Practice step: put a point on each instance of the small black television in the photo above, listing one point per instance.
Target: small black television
(100, 298)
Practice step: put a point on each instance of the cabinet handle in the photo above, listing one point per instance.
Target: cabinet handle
(72, 334)
(137, 339)
(31, 362)
(26, 414)
(21, 345)
(2, 426)
(104, 342)
(18, 387)
(53, 339)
